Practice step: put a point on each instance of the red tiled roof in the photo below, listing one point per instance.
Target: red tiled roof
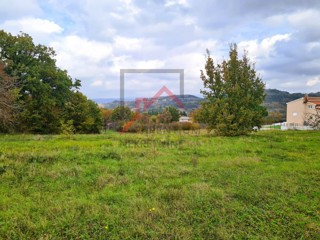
(314, 100)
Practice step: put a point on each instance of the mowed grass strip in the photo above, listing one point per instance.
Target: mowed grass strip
(163, 186)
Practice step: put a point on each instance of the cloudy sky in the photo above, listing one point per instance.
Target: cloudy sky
(94, 39)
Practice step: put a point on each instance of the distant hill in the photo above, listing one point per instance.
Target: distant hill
(275, 101)
(104, 100)
(190, 102)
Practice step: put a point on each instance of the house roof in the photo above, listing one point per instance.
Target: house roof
(295, 100)
(314, 100)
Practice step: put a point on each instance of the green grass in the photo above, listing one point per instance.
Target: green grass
(131, 186)
(272, 127)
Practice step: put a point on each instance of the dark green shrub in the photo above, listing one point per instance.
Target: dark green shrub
(186, 126)
(175, 126)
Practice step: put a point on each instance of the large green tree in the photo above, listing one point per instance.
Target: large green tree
(233, 95)
(45, 90)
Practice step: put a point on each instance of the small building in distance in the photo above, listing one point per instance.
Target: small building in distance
(298, 109)
(185, 119)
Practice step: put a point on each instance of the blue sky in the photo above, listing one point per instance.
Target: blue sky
(95, 39)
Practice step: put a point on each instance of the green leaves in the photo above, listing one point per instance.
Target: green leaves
(45, 91)
(174, 113)
(233, 93)
(121, 113)
(8, 95)
(83, 113)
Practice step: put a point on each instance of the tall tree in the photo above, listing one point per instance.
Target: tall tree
(8, 96)
(233, 95)
(44, 88)
(45, 91)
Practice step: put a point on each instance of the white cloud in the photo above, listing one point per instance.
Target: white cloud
(130, 7)
(149, 64)
(303, 18)
(170, 3)
(97, 83)
(32, 26)
(83, 58)
(304, 23)
(117, 16)
(264, 48)
(313, 82)
(307, 24)
(94, 39)
(15, 9)
(124, 62)
(77, 48)
(130, 44)
(99, 14)
(268, 43)
(201, 45)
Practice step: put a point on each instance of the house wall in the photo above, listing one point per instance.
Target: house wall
(297, 110)
(311, 109)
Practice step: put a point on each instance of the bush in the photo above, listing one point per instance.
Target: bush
(135, 127)
(118, 126)
(67, 127)
(196, 126)
(186, 126)
(175, 126)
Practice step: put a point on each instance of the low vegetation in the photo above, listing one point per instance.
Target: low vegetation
(160, 186)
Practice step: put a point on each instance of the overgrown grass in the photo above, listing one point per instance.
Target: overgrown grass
(164, 186)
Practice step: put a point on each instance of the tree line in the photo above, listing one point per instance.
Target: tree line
(122, 119)
(38, 97)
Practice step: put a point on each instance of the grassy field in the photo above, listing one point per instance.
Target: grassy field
(163, 186)
(278, 127)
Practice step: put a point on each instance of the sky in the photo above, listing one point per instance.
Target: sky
(94, 39)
